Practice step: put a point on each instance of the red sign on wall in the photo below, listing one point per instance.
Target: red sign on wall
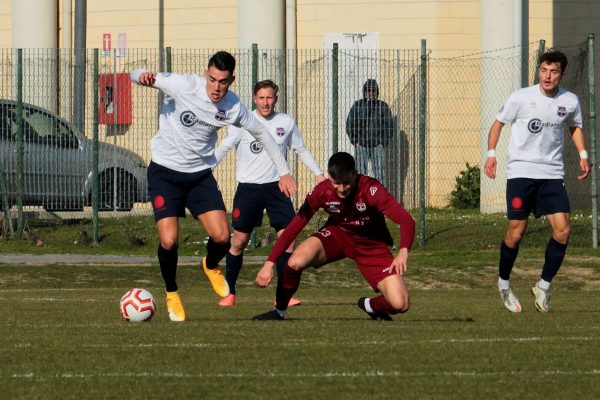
(106, 42)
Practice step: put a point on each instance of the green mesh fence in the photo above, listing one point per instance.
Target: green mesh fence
(317, 87)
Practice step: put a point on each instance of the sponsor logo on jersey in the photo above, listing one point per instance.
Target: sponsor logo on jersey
(373, 190)
(188, 119)
(256, 147)
(220, 115)
(561, 111)
(361, 206)
(280, 132)
(332, 206)
(536, 125)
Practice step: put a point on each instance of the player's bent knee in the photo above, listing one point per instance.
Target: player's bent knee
(168, 243)
(400, 305)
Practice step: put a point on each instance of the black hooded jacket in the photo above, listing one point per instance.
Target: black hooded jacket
(369, 121)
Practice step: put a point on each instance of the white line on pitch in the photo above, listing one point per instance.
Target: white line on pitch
(330, 375)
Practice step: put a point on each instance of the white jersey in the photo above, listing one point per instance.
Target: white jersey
(253, 164)
(538, 122)
(189, 121)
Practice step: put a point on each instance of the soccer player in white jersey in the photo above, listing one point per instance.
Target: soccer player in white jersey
(180, 174)
(539, 115)
(257, 183)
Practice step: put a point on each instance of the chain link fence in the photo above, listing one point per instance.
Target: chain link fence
(55, 103)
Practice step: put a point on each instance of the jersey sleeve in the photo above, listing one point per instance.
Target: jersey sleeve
(297, 144)
(576, 118)
(307, 211)
(389, 206)
(249, 122)
(233, 138)
(174, 84)
(510, 110)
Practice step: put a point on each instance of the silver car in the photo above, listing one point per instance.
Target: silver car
(58, 170)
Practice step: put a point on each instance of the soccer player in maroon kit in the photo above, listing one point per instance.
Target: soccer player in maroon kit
(357, 206)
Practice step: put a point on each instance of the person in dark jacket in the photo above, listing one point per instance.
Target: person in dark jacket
(370, 128)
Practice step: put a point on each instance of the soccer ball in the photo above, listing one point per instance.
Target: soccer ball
(137, 305)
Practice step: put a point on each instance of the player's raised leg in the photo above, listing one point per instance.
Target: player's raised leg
(555, 253)
(217, 227)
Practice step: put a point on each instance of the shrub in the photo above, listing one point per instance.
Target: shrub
(467, 190)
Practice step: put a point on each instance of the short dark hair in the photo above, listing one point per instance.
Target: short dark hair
(555, 56)
(340, 166)
(223, 61)
(267, 83)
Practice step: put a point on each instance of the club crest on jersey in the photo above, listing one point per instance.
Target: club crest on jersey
(361, 206)
(256, 147)
(220, 115)
(280, 132)
(561, 111)
(373, 190)
(332, 207)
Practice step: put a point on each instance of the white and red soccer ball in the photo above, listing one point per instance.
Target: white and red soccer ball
(137, 305)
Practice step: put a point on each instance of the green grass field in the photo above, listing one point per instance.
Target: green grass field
(62, 336)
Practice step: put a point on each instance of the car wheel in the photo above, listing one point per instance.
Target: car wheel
(123, 198)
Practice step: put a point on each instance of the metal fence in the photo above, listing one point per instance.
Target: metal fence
(57, 102)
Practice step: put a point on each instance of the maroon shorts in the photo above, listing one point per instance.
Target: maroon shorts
(373, 258)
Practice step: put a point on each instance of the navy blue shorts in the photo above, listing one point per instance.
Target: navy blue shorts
(250, 201)
(171, 192)
(540, 196)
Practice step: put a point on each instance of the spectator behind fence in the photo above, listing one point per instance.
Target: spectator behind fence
(370, 128)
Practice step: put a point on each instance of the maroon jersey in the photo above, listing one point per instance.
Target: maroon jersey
(362, 213)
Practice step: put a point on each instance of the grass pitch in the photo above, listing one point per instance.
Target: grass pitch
(63, 337)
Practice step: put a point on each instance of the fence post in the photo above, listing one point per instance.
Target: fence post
(541, 49)
(168, 60)
(95, 156)
(20, 146)
(253, 236)
(7, 222)
(592, 130)
(422, 138)
(334, 97)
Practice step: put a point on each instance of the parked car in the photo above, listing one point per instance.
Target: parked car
(58, 165)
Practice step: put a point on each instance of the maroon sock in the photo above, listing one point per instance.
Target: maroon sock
(380, 305)
(287, 286)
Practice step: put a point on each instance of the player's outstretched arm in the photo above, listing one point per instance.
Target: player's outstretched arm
(265, 274)
(578, 138)
(493, 137)
(143, 77)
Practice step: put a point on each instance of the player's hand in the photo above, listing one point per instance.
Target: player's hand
(584, 164)
(287, 185)
(147, 79)
(490, 167)
(321, 178)
(400, 262)
(265, 274)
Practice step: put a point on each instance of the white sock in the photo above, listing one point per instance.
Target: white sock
(544, 285)
(368, 305)
(280, 312)
(503, 284)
